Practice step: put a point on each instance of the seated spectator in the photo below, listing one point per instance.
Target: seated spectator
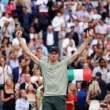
(16, 45)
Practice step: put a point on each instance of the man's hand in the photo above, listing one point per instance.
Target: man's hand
(88, 37)
(25, 48)
(84, 45)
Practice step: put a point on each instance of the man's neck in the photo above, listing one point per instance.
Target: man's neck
(53, 62)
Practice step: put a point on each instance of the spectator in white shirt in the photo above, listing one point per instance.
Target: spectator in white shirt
(22, 103)
(7, 25)
(102, 68)
(42, 5)
(48, 37)
(68, 45)
(57, 22)
(5, 71)
(16, 46)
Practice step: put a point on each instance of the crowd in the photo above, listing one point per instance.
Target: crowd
(64, 24)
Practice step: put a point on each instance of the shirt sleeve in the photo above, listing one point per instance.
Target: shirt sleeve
(43, 65)
(66, 60)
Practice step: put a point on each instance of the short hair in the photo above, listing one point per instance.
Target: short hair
(101, 59)
(99, 74)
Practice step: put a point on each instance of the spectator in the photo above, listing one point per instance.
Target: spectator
(25, 84)
(102, 85)
(6, 47)
(25, 64)
(14, 64)
(57, 22)
(19, 10)
(22, 103)
(5, 71)
(37, 78)
(93, 91)
(8, 96)
(26, 18)
(81, 97)
(43, 13)
(68, 45)
(17, 86)
(7, 25)
(49, 37)
(39, 53)
(40, 43)
(10, 7)
(1, 81)
(88, 5)
(32, 44)
(71, 97)
(61, 37)
(31, 97)
(101, 68)
(16, 46)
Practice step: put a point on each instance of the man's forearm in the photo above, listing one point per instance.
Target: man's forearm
(79, 51)
(27, 51)
(82, 47)
(24, 46)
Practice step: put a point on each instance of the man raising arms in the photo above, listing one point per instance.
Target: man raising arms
(54, 74)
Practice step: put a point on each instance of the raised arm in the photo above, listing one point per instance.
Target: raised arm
(80, 49)
(25, 48)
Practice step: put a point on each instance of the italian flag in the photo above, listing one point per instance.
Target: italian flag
(79, 74)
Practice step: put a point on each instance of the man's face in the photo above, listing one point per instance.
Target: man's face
(23, 93)
(53, 56)
(13, 55)
(102, 63)
(27, 77)
(49, 29)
